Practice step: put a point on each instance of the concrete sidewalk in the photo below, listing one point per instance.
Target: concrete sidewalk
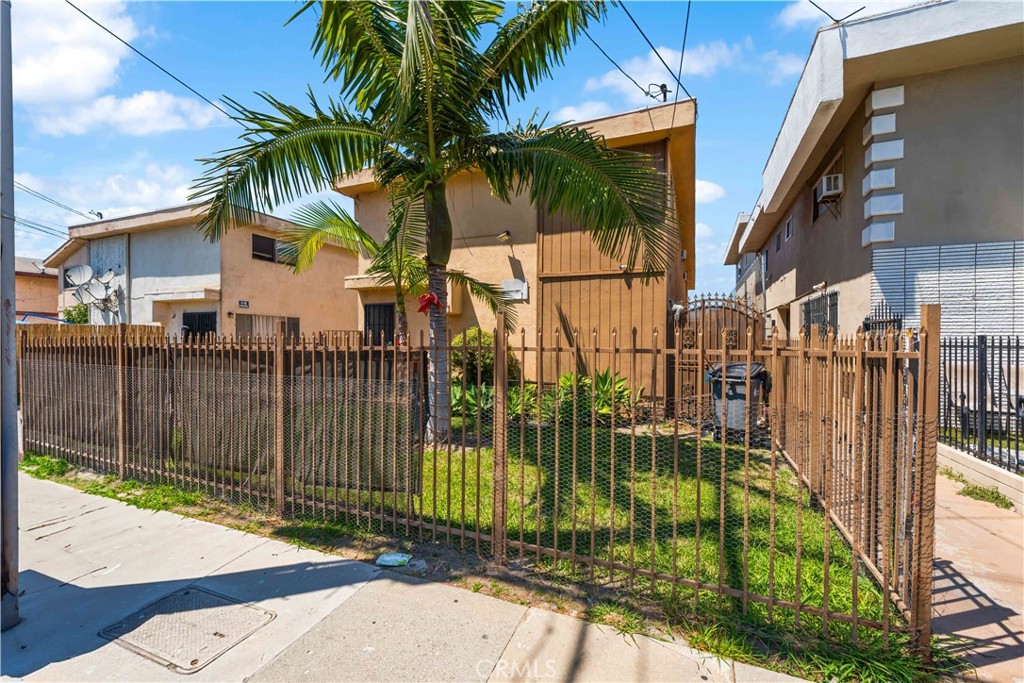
(88, 563)
(979, 582)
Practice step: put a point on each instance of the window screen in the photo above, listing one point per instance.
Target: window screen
(250, 325)
(264, 248)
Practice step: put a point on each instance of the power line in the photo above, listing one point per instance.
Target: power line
(51, 200)
(682, 54)
(139, 53)
(658, 54)
(642, 89)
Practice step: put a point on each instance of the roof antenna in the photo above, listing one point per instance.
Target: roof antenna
(834, 20)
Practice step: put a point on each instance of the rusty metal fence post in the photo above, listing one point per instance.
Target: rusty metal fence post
(921, 604)
(279, 418)
(122, 401)
(498, 522)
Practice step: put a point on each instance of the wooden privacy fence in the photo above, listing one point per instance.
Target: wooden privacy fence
(800, 491)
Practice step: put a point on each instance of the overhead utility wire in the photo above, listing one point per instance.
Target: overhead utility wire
(139, 53)
(682, 54)
(658, 54)
(616, 65)
(51, 200)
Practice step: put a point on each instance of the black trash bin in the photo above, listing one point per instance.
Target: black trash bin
(737, 403)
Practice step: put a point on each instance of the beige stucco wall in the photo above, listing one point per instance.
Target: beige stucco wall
(317, 297)
(826, 250)
(35, 294)
(476, 217)
(963, 172)
(961, 178)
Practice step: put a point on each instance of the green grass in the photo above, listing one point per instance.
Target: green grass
(618, 615)
(718, 625)
(138, 494)
(953, 435)
(987, 494)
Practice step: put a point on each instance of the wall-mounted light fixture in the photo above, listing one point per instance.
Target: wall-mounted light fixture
(504, 236)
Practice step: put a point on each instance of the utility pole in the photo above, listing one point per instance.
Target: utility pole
(8, 370)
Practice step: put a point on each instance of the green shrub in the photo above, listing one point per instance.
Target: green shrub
(472, 400)
(473, 352)
(522, 402)
(607, 392)
(77, 314)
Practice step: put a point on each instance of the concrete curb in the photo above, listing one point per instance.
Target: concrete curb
(984, 474)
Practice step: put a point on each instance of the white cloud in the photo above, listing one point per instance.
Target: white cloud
(708, 191)
(123, 194)
(60, 56)
(701, 60)
(584, 111)
(144, 113)
(803, 13)
(782, 65)
(63, 64)
(710, 248)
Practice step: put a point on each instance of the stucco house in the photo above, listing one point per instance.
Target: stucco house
(547, 266)
(161, 271)
(896, 177)
(35, 288)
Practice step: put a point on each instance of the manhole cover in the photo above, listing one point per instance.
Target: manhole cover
(188, 629)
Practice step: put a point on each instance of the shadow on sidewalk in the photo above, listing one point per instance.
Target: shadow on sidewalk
(62, 620)
(960, 607)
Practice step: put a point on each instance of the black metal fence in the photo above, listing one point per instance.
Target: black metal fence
(982, 401)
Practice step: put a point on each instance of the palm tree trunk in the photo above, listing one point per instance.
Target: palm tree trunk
(439, 250)
(401, 317)
(439, 426)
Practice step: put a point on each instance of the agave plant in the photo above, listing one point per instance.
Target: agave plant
(521, 402)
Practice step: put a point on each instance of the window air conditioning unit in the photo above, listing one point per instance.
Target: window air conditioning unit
(830, 186)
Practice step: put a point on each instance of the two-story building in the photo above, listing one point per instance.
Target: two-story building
(548, 266)
(896, 178)
(157, 268)
(35, 288)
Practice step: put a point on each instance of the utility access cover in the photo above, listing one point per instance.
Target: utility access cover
(188, 629)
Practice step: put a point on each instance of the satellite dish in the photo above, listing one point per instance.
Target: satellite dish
(82, 296)
(105, 277)
(78, 275)
(95, 290)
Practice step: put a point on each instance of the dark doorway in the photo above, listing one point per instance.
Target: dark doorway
(380, 322)
(198, 324)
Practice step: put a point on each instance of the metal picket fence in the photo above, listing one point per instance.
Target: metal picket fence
(982, 403)
(791, 482)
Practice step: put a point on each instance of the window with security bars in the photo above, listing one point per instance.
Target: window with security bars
(379, 322)
(822, 310)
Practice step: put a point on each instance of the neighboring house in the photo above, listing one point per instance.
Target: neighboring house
(35, 288)
(896, 178)
(162, 271)
(549, 267)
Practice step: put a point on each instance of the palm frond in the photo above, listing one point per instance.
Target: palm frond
(615, 195)
(318, 224)
(360, 46)
(529, 46)
(285, 154)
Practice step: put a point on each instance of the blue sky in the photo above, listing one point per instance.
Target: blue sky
(100, 129)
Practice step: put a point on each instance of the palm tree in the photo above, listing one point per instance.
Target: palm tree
(394, 264)
(424, 90)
